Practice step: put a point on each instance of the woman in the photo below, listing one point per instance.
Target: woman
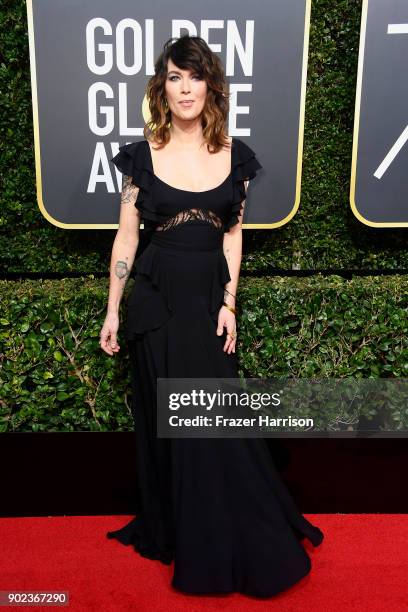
(215, 505)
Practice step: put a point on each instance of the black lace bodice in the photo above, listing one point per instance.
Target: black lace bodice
(191, 214)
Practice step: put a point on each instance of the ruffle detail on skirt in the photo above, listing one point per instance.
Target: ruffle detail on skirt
(134, 534)
(148, 305)
(244, 166)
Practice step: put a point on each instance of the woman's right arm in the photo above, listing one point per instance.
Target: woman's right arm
(123, 254)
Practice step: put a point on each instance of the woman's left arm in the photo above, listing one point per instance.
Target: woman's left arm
(232, 247)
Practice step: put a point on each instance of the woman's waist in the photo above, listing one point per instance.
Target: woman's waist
(189, 236)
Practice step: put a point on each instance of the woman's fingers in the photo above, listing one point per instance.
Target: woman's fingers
(108, 342)
(114, 342)
(227, 321)
(230, 342)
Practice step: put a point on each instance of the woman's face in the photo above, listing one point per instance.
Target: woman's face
(184, 85)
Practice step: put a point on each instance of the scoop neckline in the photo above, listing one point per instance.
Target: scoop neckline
(188, 190)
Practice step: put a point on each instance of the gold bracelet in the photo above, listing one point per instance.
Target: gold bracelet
(229, 307)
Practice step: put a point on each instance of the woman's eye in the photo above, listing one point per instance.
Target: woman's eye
(195, 76)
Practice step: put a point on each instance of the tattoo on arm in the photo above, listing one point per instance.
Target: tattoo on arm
(122, 271)
(129, 196)
(227, 255)
(129, 190)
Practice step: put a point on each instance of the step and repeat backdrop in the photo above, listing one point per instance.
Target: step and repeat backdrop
(338, 205)
(88, 98)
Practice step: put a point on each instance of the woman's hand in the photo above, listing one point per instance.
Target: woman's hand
(108, 335)
(226, 318)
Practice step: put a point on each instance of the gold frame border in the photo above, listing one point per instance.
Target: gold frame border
(37, 149)
(357, 109)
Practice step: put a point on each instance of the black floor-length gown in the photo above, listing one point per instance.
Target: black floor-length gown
(217, 506)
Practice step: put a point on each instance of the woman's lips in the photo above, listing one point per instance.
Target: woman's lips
(187, 104)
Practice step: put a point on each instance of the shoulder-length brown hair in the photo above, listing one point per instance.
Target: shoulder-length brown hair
(189, 53)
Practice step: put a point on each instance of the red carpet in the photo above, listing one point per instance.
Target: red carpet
(362, 565)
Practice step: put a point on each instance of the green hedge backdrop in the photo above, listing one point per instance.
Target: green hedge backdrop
(55, 377)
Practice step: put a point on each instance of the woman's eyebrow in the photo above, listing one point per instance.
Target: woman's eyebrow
(175, 72)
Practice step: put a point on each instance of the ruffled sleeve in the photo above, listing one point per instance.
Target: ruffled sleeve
(244, 166)
(134, 161)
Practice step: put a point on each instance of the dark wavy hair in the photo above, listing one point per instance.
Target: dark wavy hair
(189, 53)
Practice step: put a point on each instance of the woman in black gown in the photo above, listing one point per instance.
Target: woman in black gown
(216, 506)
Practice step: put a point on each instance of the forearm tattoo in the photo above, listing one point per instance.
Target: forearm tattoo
(129, 195)
(129, 190)
(227, 255)
(122, 271)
